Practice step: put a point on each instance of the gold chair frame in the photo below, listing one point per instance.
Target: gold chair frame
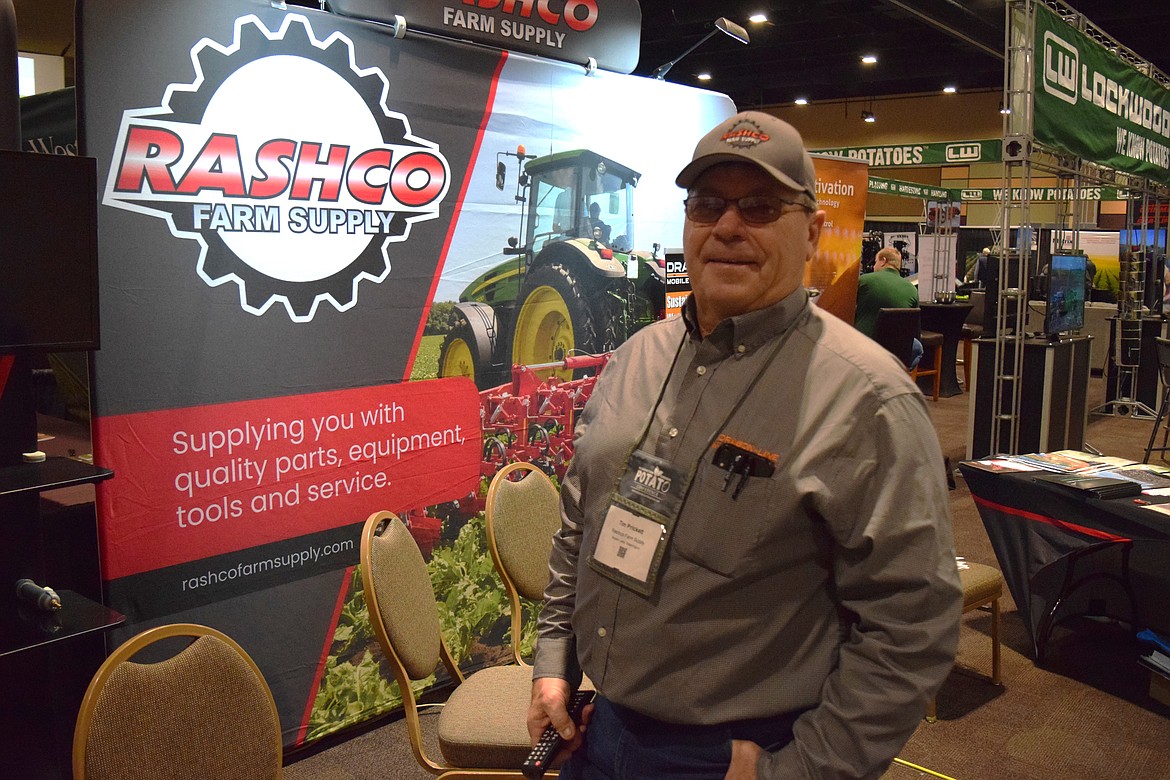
(131, 647)
(510, 586)
(409, 700)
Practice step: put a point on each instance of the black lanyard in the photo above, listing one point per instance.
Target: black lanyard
(779, 345)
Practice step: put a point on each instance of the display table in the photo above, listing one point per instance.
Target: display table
(1063, 555)
(947, 319)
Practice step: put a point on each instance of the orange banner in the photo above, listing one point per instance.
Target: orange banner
(842, 188)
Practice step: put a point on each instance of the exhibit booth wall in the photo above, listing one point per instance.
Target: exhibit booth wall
(285, 196)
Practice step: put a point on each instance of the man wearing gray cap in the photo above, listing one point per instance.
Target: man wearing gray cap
(737, 573)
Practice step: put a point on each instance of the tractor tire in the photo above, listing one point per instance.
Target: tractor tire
(459, 355)
(553, 320)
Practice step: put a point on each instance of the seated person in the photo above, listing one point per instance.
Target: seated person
(596, 223)
(885, 288)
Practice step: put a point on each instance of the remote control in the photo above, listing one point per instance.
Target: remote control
(550, 741)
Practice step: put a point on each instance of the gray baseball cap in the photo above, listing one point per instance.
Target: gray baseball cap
(762, 140)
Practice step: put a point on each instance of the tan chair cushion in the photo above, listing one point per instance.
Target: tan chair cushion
(525, 515)
(981, 584)
(483, 723)
(406, 599)
(200, 714)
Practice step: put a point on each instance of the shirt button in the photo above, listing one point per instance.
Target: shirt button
(742, 348)
(672, 432)
(601, 631)
(701, 370)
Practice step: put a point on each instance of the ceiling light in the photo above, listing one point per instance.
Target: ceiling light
(869, 59)
(949, 90)
(704, 76)
(801, 101)
(867, 116)
(758, 18)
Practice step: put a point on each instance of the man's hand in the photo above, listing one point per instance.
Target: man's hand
(550, 702)
(744, 757)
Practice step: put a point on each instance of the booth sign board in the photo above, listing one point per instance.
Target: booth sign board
(1094, 105)
(287, 196)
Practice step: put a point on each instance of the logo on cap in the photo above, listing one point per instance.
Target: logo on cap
(745, 135)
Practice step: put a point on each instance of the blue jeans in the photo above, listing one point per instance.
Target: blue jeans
(915, 353)
(623, 745)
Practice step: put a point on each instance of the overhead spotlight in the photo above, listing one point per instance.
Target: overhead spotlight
(723, 25)
(801, 101)
(867, 116)
(949, 90)
(1004, 109)
(758, 18)
(869, 59)
(703, 76)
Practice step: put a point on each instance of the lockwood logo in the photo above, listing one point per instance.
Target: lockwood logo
(964, 152)
(283, 161)
(1061, 66)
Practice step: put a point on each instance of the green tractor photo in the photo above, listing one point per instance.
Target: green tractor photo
(572, 286)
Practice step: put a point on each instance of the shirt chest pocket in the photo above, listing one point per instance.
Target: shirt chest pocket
(733, 535)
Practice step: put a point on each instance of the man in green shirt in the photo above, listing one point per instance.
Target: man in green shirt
(885, 288)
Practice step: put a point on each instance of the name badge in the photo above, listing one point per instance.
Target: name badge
(638, 523)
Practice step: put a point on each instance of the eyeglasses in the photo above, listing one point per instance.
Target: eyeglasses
(754, 209)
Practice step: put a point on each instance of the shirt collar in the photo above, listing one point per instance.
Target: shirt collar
(751, 329)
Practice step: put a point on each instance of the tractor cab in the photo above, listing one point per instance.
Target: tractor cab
(579, 194)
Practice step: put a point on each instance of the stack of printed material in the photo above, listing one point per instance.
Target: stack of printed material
(1093, 485)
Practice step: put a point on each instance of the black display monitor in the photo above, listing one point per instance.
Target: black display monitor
(1065, 300)
(48, 253)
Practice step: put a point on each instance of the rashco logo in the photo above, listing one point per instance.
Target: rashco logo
(282, 159)
(745, 135)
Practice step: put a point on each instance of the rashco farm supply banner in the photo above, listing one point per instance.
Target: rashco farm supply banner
(606, 31)
(1090, 103)
(276, 199)
(294, 206)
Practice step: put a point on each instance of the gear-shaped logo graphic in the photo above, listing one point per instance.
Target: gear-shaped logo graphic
(283, 160)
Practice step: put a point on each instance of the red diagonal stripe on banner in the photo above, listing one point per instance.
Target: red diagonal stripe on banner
(327, 645)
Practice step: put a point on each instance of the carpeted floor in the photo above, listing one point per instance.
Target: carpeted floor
(1085, 716)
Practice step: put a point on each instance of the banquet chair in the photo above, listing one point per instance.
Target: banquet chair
(982, 589)
(1161, 421)
(203, 713)
(896, 330)
(482, 729)
(522, 514)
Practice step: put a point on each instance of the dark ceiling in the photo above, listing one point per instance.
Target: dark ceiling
(808, 48)
(813, 48)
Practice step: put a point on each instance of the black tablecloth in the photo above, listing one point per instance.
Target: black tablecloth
(1037, 530)
(947, 319)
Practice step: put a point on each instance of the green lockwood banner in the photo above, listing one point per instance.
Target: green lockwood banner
(1091, 104)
